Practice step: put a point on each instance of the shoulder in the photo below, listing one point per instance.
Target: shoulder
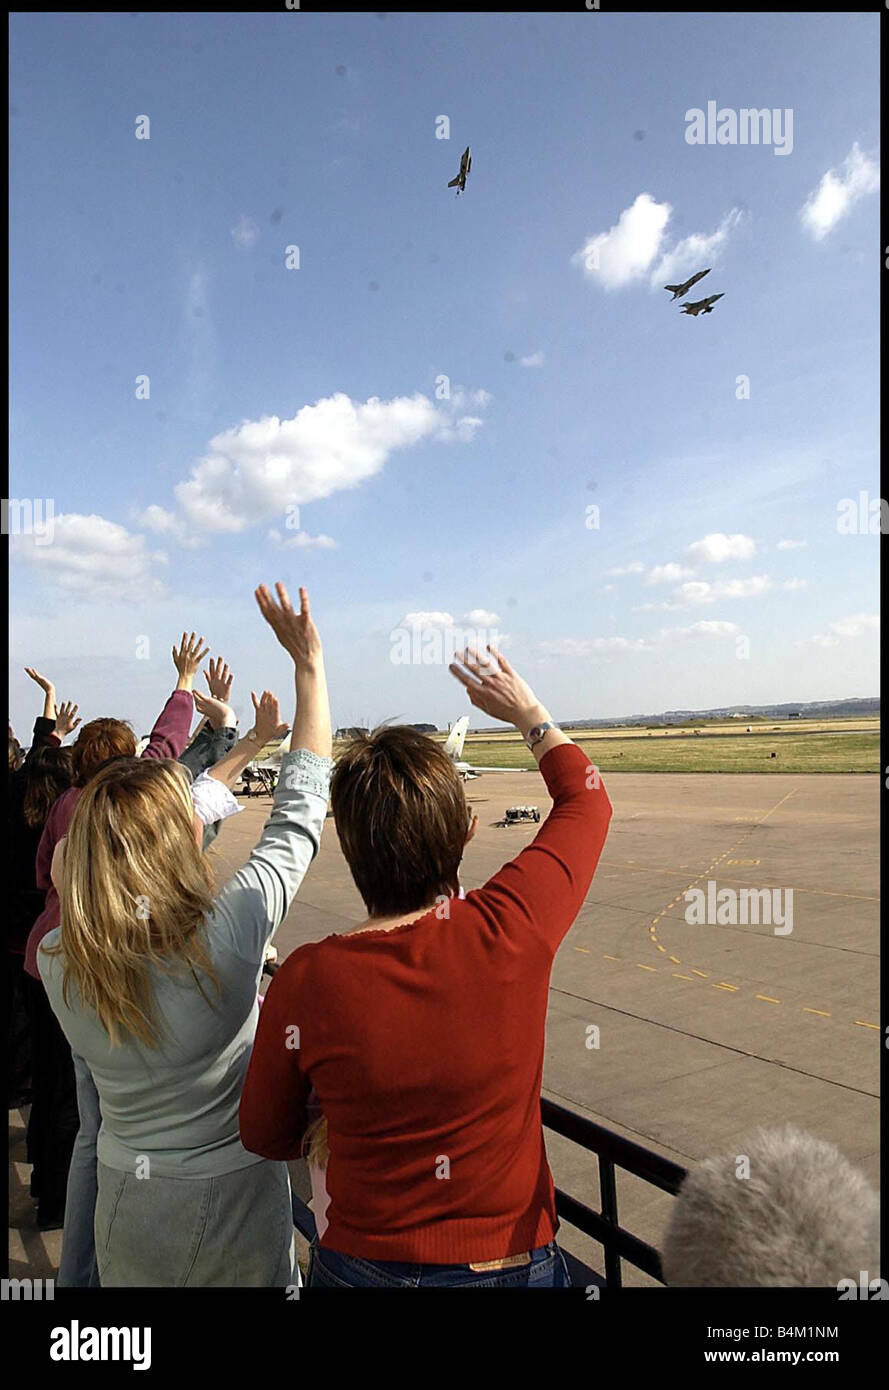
(49, 965)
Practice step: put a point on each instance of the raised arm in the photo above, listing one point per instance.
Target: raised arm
(170, 733)
(253, 904)
(549, 880)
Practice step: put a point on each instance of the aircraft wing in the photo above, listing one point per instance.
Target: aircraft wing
(471, 767)
(453, 183)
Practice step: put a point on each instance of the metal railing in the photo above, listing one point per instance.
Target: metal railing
(612, 1151)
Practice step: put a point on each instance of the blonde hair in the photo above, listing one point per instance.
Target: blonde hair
(135, 893)
(316, 1149)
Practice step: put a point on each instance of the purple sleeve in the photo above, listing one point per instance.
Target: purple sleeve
(170, 734)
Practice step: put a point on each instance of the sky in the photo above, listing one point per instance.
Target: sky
(267, 342)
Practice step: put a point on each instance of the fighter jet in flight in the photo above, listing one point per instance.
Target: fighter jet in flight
(680, 290)
(460, 181)
(701, 306)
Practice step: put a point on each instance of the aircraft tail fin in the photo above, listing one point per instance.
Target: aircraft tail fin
(456, 738)
(674, 288)
(453, 183)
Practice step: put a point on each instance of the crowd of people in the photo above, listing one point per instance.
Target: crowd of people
(403, 1058)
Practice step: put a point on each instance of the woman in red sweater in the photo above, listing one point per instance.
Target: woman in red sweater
(422, 1030)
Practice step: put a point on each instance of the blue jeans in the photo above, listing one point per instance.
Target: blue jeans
(77, 1268)
(328, 1269)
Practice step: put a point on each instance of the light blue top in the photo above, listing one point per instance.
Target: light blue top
(177, 1105)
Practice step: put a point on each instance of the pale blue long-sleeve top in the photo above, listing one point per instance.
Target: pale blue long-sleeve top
(177, 1105)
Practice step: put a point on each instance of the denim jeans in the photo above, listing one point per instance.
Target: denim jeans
(328, 1269)
(77, 1269)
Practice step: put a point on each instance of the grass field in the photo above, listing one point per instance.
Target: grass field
(827, 746)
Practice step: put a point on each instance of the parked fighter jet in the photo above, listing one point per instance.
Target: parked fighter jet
(701, 306)
(680, 290)
(460, 181)
(454, 749)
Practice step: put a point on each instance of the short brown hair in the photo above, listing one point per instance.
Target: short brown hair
(401, 817)
(98, 741)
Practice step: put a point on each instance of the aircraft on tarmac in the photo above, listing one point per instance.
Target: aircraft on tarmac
(454, 749)
(680, 290)
(460, 181)
(700, 306)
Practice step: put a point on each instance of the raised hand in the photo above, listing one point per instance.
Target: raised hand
(66, 718)
(44, 682)
(267, 722)
(296, 632)
(49, 692)
(187, 658)
(493, 686)
(220, 714)
(219, 678)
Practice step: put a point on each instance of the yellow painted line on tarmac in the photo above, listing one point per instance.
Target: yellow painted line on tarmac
(582, 949)
(676, 960)
(663, 948)
(647, 967)
(820, 1012)
(723, 985)
(701, 973)
(604, 957)
(677, 976)
(767, 999)
(867, 1025)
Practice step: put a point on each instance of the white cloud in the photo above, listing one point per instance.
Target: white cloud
(301, 540)
(667, 574)
(534, 359)
(697, 591)
(166, 523)
(705, 628)
(245, 233)
(693, 252)
(791, 545)
(838, 192)
(481, 617)
(794, 583)
(425, 621)
(717, 547)
(856, 625)
(635, 568)
(253, 471)
(91, 556)
(625, 252)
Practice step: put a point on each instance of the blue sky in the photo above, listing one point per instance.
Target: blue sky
(425, 512)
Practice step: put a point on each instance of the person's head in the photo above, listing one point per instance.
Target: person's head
(784, 1210)
(135, 892)
(98, 741)
(48, 774)
(401, 817)
(16, 756)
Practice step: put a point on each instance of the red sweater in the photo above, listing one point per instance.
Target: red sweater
(425, 1047)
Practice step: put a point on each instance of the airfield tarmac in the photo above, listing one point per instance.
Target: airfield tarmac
(705, 1032)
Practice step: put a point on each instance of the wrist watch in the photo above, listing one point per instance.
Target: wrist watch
(252, 735)
(538, 732)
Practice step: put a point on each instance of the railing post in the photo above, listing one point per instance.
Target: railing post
(608, 1191)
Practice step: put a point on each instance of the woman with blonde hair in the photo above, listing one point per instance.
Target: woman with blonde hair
(154, 981)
